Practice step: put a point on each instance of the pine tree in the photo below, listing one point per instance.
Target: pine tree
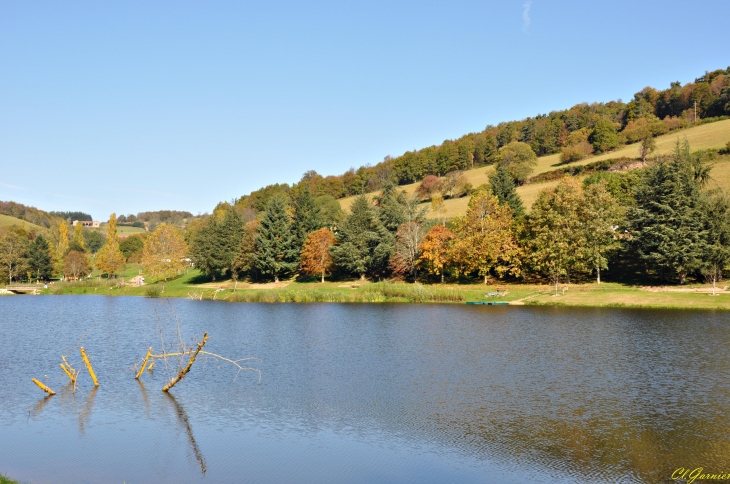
(229, 234)
(364, 244)
(40, 259)
(244, 262)
(306, 215)
(504, 188)
(668, 224)
(395, 209)
(717, 257)
(277, 250)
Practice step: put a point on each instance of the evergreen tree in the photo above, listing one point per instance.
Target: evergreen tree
(229, 233)
(365, 245)
(669, 224)
(277, 248)
(40, 259)
(717, 256)
(306, 215)
(504, 188)
(204, 248)
(213, 246)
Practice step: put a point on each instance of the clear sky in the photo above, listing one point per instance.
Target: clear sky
(138, 105)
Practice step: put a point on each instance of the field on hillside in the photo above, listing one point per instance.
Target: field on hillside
(122, 230)
(712, 135)
(7, 221)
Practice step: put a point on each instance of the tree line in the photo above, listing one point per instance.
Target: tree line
(574, 133)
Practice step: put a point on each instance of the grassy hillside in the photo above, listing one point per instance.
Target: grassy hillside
(122, 230)
(712, 135)
(6, 221)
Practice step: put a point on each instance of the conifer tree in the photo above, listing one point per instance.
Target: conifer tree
(277, 250)
(40, 259)
(306, 215)
(504, 188)
(364, 244)
(244, 262)
(668, 224)
(214, 245)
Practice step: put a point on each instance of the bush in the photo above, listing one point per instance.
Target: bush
(153, 290)
(576, 152)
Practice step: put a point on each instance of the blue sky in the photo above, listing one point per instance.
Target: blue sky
(132, 106)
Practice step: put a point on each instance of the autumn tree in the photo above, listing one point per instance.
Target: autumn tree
(429, 186)
(518, 159)
(277, 250)
(78, 243)
(76, 264)
(484, 239)
(61, 249)
(438, 207)
(13, 255)
(110, 259)
(315, 257)
(163, 252)
(435, 249)
(406, 252)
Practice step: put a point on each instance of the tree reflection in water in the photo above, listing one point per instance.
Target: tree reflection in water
(185, 422)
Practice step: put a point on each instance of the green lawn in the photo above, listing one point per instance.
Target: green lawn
(122, 230)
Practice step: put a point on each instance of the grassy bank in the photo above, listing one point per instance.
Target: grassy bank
(193, 286)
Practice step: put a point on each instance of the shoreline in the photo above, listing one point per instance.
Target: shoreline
(612, 295)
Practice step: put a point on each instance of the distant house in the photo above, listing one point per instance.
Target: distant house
(87, 223)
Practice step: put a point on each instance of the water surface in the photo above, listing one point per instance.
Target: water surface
(364, 393)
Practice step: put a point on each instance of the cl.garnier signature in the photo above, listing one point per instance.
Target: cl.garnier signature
(698, 473)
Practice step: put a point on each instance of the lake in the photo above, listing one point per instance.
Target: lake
(363, 393)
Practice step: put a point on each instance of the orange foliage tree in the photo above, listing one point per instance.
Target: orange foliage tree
(435, 250)
(315, 258)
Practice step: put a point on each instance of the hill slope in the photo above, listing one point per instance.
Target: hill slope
(8, 221)
(706, 136)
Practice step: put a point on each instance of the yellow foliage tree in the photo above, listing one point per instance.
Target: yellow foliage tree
(315, 258)
(484, 239)
(163, 252)
(110, 259)
(60, 253)
(79, 235)
(435, 250)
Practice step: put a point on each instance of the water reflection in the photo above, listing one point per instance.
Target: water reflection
(85, 413)
(184, 421)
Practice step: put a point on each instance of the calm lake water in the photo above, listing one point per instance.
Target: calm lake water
(364, 393)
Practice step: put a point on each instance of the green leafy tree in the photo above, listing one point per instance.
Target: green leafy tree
(647, 146)
(364, 244)
(601, 215)
(93, 241)
(503, 187)
(277, 248)
(40, 259)
(13, 255)
(518, 159)
(131, 245)
(717, 256)
(554, 236)
(668, 225)
(604, 136)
